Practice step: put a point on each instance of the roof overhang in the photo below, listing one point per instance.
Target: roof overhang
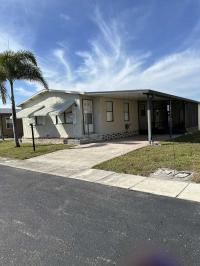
(55, 109)
(46, 108)
(126, 94)
(28, 112)
(139, 95)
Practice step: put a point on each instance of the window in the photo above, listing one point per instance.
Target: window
(109, 111)
(9, 124)
(39, 120)
(68, 118)
(88, 118)
(64, 118)
(126, 111)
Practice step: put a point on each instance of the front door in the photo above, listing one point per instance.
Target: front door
(88, 116)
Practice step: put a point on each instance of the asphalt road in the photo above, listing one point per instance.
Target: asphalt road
(49, 220)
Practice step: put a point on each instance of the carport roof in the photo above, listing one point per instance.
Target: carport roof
(138, 94)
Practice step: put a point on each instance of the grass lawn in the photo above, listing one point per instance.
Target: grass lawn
(7, 149)
(181, 154)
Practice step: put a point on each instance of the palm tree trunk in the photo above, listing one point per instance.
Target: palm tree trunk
(14, 118)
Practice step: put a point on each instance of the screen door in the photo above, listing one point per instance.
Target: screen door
(88, 116)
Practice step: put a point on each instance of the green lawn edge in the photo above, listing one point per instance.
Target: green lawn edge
(8, 149)
(183, 153)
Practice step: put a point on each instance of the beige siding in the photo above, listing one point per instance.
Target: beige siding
(49, 129)
(101, 126)
(8, 132)
(97, 109)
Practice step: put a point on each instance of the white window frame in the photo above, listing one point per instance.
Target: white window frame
(126, 112)
(109, 111)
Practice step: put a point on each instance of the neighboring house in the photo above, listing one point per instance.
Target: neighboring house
(6, 125)
(106, 115)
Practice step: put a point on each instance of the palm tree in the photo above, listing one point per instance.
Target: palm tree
(21, 65)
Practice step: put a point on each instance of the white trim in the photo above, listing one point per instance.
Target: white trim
(49, 91)
(28, 112)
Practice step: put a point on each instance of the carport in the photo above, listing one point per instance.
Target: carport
(159, 113)
(169, 114)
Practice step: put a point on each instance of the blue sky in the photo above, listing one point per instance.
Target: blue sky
(107, 44)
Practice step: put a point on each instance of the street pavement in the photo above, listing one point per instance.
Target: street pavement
(53, 220)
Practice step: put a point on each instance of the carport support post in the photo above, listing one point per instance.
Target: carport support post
(149, 119)
(170, 118)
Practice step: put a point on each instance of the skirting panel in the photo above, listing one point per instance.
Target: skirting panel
(118, 135)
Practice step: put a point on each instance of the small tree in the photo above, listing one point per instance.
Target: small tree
(21, 65)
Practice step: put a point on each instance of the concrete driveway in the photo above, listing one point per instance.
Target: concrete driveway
(85, 156)
(71, 161)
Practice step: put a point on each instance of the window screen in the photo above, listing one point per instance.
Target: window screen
(109, 111)
(40, 120)
(126, 111)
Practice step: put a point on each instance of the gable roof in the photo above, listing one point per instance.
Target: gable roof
(47, 91)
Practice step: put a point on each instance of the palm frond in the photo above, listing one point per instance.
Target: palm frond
(31, 73)
(3, 91)
(26, 56)
(7, 63)
(2, 73)
(20, 65)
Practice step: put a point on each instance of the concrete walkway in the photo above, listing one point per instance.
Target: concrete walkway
(169, 188)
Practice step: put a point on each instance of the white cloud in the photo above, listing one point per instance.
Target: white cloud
(23, 92)
(59, 54)
(9, 41)
(107, 65)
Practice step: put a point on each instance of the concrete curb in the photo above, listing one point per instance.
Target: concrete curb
(170, 188)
